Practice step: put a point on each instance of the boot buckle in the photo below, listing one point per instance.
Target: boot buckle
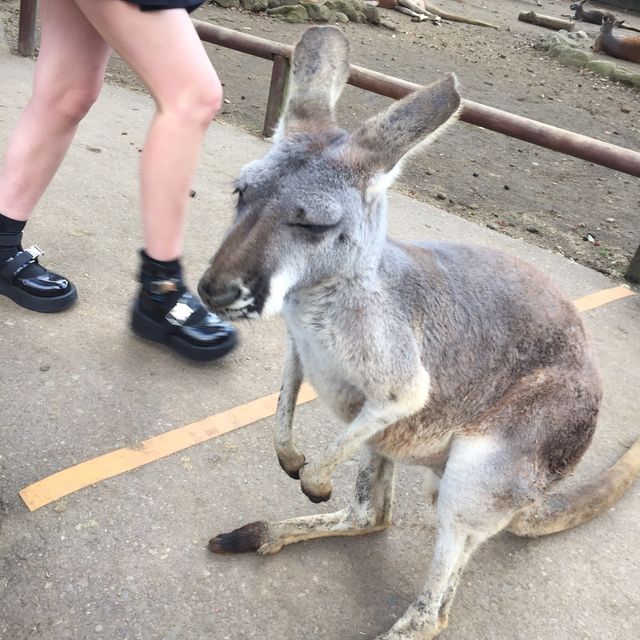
(160, 287)
(35, 251)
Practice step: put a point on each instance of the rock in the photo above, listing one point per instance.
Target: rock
(372, 14)
(227, 4)
(273, 4)
(441, 196)
(626, 76)
(625, 109)
(45, 367)
(341, 17)
(601, 67)
(255, 5)
(353, 9)
(387, 24)
(317, 12)
(573, 57)
(293, 14)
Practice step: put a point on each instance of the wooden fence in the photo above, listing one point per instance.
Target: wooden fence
(568, 142)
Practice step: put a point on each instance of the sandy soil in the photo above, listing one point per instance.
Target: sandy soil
(522, 190)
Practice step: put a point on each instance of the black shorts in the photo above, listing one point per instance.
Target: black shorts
(156, 5)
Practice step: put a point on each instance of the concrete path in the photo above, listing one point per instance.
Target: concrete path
(126, 558)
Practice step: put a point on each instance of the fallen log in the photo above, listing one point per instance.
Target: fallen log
(548, 22)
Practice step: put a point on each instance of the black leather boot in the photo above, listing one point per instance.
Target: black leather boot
(167, 312)
(29, 284)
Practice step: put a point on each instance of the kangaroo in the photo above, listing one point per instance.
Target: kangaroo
(457, 358)
(619, 46)
(421, 10)
(596, 16)
(593, 16)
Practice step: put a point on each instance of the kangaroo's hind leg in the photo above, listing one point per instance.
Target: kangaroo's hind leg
(369, 512)
(416, 11)
(480, 491)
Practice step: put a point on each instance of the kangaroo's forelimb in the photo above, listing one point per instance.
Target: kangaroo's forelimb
(290, 459)
(315, 476)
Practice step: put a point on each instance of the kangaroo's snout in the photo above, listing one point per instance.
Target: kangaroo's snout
(218, 295)
(231, 297)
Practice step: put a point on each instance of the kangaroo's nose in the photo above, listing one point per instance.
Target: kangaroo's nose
(218, 296)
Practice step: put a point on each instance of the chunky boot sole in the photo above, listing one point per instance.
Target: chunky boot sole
(37, 303)
(149, 329)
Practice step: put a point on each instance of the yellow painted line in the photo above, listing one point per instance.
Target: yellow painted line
(116, 462)
(599, 298)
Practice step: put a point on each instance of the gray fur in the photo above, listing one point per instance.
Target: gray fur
(457, 358)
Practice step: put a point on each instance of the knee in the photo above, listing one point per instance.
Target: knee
(196, 104)
(73, 103)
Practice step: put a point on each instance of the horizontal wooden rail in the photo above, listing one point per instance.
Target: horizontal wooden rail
(544, 135)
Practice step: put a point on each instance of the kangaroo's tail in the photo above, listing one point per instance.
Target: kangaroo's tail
(564, 510)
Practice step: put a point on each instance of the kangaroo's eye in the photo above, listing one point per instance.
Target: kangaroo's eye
(315, 229)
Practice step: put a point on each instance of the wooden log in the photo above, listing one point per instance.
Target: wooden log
(548, 22)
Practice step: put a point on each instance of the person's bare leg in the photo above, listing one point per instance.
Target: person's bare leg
(68, 77)
(164, 50)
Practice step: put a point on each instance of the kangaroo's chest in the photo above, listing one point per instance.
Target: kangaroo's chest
(328, 367)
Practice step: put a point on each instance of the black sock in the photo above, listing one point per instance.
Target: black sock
(159, 269)
(154, 299)
(10, 244)
(9, 225)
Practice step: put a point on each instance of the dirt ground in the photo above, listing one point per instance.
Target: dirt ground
(547, 198)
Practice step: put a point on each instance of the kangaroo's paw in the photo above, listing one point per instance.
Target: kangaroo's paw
(314, 485)
(291, 464)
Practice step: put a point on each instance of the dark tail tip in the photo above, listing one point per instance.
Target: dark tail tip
(248, 538)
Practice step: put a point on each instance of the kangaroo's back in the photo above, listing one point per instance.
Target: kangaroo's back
(498, 306)
(485, 321)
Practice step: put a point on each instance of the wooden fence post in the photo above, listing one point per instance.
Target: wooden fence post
(277, 94)
(27, 28)
(633, 272)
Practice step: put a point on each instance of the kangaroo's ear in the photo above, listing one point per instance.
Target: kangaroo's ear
(319, 71)
(381, 142)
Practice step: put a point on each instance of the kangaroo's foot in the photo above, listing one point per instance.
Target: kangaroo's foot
(269, 537)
